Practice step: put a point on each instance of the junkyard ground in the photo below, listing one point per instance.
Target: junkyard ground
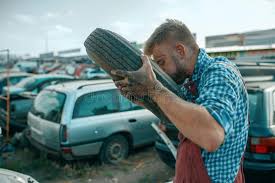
(142, 166)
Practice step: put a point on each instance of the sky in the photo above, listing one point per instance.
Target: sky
(37, 26)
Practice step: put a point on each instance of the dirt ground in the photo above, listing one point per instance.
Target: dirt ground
(142, 166)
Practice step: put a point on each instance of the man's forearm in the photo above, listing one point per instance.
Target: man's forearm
(192, 120)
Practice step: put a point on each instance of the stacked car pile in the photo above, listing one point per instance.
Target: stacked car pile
(77, 119)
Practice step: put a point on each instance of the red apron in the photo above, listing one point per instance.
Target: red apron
(189, 165)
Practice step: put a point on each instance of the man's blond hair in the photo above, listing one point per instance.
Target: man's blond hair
(170, 29)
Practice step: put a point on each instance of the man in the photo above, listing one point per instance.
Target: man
(211, 116)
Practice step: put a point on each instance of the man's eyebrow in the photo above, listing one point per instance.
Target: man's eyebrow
(158, 57)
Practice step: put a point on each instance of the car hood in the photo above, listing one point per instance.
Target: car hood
(8, 176)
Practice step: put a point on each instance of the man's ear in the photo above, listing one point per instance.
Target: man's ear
(180, 48)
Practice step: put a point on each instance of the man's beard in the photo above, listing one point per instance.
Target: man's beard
(178, 78)
(180, 75)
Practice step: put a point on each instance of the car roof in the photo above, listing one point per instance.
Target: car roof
(260, 85)
(92, 84)
(40, 76)
(80, 85)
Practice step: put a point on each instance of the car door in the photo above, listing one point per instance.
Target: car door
(95, 117)
(139, 119)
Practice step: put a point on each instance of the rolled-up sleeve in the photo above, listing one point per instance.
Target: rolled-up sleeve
(218, 93)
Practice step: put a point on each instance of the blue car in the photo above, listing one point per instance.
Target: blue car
(14, 78)
(21, 98)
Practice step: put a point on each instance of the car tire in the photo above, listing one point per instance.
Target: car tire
(111, 51)
(114, 149)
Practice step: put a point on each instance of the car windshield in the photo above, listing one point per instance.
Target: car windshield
(27, 83)
(255, 106)
(49, 105)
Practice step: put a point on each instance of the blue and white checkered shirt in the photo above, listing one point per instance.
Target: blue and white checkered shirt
(221, 91)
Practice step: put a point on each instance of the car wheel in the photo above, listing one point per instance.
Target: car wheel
(114, 149)
(111, 51)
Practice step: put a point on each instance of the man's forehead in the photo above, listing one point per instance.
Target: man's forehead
(158, 51)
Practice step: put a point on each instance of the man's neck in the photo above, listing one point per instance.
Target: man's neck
(193, 60)
(190, 66)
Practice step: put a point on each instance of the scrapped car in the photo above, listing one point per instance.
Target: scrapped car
(36, 83)
(27, 66)
(94, 73)
(260, 150)
(21, 98)
(8, 176)
(80, 119)
(14, 78)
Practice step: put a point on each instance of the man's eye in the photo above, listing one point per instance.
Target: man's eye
(160, 62)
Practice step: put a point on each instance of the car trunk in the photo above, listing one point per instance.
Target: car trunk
(44, 132)
(261, 131)
(258, 113)
(45, 117)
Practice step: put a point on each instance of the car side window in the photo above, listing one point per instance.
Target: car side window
(127, 105)
(97, 103)
(136, 107)
(14, 80)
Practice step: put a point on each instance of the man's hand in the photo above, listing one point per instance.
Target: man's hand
(135, 85)
(162, 126)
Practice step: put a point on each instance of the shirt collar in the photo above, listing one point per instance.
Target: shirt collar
(202, 61)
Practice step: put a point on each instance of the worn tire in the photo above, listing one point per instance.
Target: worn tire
(114, 149)
(111, 51)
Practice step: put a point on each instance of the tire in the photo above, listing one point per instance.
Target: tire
(111, 51)
(114, 149)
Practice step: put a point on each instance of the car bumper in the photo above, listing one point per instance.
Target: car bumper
(41, 147)
(259, 166)
(76, 152)
(260, 162)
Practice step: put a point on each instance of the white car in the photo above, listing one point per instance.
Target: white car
(8, 176)
(78, 119)
(92, 73)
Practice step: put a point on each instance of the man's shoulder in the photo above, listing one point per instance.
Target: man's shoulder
(222, 62)
(221, 66)
(220, 71)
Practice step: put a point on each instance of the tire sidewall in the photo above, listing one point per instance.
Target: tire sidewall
(104, 153)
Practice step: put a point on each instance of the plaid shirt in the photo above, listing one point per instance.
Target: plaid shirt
(221, 91)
